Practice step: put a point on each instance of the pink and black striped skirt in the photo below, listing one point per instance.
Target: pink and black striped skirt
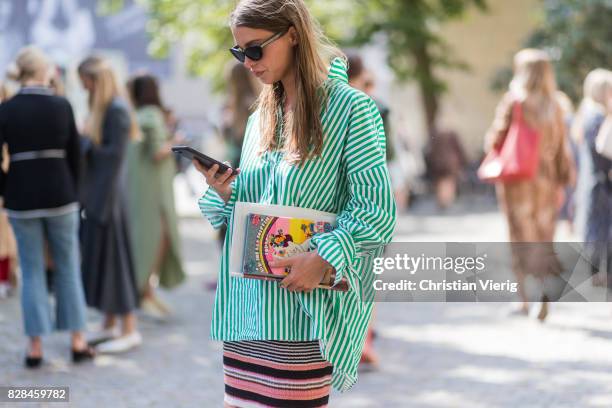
(275, 374)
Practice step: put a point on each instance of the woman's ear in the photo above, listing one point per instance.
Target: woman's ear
(293, 36)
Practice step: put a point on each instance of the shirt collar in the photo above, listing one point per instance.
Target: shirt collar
(337, 70)
(36, 90)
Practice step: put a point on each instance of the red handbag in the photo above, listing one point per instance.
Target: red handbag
(518, 157)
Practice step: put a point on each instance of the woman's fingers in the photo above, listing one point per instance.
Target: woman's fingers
(288, 281)
(220, 181)
(205, 172)
(293, 283)
(224, 176)
(231, 179)
(210, 174)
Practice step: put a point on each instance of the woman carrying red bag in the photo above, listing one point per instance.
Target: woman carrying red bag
(531, 201)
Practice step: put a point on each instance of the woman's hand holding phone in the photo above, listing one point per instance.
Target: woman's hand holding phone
(220, 182)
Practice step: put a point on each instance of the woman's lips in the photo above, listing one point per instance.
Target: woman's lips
(258, 73)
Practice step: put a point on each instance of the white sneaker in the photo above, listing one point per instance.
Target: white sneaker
(150, 308)
(101, 334)
(120, 344)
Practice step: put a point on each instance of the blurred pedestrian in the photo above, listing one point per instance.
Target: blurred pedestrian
(243, 91)
(39, 130)
(56, 84)
(362, 79)
(446, 161)
(108, 267)
(531, 205)
(8, 246)
(313, 142)
(154, 225)
(595, 106)
(568, 208)
(8, 256)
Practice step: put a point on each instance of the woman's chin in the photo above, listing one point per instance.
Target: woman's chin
(264, 80)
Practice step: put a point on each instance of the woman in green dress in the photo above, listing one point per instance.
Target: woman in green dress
(153, 217)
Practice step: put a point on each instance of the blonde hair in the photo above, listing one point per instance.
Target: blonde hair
(597, 86)
(596, 89)
(106, 88)
(31, 62)
(302, 128)
(534, 83)
(5, 92)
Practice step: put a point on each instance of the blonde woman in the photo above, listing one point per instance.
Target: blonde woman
(39, 130)
(317, 143)
(108, 267)
(596, 171)
(531, 206)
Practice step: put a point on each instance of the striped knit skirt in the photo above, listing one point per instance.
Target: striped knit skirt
(275, 374)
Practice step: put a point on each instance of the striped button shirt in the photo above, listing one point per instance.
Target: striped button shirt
(349, 179)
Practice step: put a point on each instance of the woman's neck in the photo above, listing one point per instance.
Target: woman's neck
(290, 89)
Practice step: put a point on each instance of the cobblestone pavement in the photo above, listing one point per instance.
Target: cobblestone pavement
(432, 354)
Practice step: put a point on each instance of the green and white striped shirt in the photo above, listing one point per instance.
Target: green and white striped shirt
(350, 179)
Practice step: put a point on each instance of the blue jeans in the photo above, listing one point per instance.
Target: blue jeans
(61, 233)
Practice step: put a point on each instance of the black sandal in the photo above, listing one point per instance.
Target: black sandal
(87, 354)
(33, 362)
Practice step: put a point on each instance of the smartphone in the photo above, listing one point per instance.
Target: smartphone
(206, 161)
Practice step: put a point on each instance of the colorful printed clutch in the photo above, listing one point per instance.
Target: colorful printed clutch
(268, 238)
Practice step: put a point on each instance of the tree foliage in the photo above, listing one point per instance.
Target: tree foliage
(201, 26)
(578, 34)
(411, 28)
(416, 48)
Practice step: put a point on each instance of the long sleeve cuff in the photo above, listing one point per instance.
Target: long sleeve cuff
(215, 209)
(337, 248)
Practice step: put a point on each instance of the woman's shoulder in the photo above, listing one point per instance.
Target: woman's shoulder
(336, 87)
(509, 98)
(46, 99)
(118, 108)
(150, 114)
(593, 119)
(150, 110)
(341, 95)
(118, 104)
(42, 103)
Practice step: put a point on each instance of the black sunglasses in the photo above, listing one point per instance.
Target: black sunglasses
(254, 52)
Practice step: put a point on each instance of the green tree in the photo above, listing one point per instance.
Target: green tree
(202, 28)
(416, 48)
(578, 35)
